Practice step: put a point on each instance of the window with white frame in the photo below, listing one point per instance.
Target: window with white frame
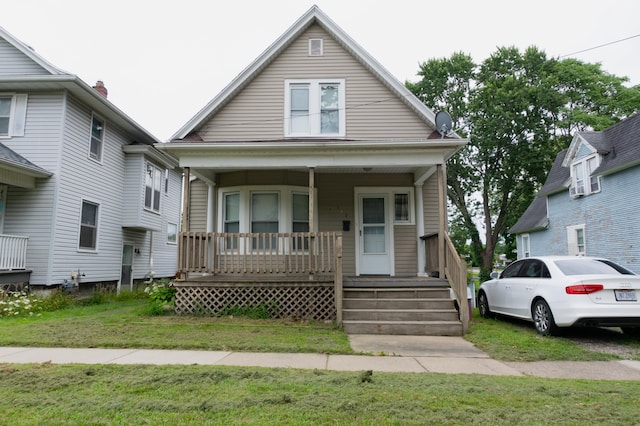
(88, 226)
(576, 238)
(172, 233)
(526, 245)
(262, 210)
(402, 212)
(152, 187)
(315, 108)
(97, 138)
(13, 111)
(582, 180)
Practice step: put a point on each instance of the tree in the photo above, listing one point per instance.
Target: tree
(518, 111)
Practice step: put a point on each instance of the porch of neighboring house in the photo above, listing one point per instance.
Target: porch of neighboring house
(14, 276)
(301, 275)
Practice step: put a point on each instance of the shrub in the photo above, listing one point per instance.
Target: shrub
(162, 294)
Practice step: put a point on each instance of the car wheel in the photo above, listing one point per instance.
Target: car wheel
(543, 318)
(483, 306)
(631, 331)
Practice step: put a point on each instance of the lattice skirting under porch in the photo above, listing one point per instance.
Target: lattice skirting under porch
(300, 300)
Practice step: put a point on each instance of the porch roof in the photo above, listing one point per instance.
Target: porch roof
(338, 156)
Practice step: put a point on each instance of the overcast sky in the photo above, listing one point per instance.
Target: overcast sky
(162, 61)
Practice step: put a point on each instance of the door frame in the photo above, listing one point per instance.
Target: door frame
(130, 283)
(386, 193)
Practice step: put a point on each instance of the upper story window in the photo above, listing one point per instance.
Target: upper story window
(89, 226)
(582, 181)
(13, 111)
(315, 108)
(97, 138)
(152, 187)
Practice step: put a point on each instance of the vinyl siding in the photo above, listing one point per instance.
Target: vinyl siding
(610, 218)
(406, 250)
(431, 205)
(257, 112)
(133, 190)
(31, 212)
(199, 197)
(14, 62)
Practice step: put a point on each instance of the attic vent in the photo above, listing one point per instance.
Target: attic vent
(315, 47)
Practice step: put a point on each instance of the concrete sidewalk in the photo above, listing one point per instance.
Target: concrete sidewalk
(406, 354)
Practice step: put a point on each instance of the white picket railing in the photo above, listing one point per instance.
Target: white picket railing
(13, 252)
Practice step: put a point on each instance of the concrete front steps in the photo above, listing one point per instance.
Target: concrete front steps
(420, 311)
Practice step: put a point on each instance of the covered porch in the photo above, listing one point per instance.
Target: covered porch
(369, 206)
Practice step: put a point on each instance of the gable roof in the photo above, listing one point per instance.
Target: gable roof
(57, 79)
(312, 16)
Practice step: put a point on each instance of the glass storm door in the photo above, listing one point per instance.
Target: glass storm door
(374, 257)
(126, 277)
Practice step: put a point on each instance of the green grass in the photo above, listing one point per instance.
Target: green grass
(112, 394)
(37, 394)
(125, 324)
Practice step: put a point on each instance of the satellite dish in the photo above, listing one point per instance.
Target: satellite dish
(443, 123)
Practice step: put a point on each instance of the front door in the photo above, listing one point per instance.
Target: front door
(374, 256)
(126, 276)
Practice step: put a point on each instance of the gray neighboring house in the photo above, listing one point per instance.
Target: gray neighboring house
(85, 197)
(589, 203)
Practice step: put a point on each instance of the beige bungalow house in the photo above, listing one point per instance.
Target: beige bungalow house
(313, 179)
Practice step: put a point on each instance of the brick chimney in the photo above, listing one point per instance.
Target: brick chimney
(99, 87)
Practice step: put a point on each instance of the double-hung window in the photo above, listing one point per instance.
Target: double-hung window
(300, 223)
(576, 240)
(152, 187)
(583, 182)
(315, 108)
(265, 214)
(13, 110)
(89, 226)
(97, 138)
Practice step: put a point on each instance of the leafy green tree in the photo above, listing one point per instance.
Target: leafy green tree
(518, 111)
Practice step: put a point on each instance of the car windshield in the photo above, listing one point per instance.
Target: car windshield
(590, 267)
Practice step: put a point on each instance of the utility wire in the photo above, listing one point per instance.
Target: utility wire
(597, 47)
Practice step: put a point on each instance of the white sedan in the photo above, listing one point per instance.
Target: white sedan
(563, 291)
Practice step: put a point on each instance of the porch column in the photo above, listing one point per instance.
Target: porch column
(442, 218)
(311, 223)
(420, 229)
(186, 197)
(211, 205)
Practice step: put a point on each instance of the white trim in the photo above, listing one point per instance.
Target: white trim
(98, 205)
(316, 47)
(285, 192)
(526, 245)
(387, 193)
(419, 207)
(314, 117)
(100, 157)
(573, 247)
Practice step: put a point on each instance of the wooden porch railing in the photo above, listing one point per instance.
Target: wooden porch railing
(13, 252)
(454, 270)
(258, 253)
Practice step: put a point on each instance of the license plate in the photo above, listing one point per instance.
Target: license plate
(626, 295)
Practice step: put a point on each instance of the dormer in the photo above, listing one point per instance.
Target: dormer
(582, 159)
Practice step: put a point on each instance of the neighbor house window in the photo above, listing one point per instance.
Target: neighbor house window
(315, 108)
(89, 226)
(526, 245)
(583, 182)
(152, 187)
(576, 238)
(13, 111)
(172, 233)
(97, 138)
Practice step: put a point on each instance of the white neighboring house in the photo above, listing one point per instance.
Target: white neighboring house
(85, 197)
